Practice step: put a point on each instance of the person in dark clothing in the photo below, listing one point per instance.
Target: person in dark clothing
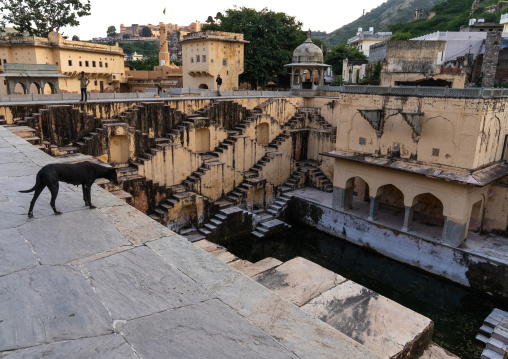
(219, 82)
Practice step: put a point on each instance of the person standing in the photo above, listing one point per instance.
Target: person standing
(83, 82)
(219, 82)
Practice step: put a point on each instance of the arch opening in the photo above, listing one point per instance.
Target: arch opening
(203, 86)
(475, 221)
(428, 218)
(35, 88)
(19, 89)
(391, 205)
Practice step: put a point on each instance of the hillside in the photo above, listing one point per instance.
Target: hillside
(390, 12)
(451, 14)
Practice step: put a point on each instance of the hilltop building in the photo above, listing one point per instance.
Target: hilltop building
(103, 64)
(363, 40)
(207, 54)
(134, 31)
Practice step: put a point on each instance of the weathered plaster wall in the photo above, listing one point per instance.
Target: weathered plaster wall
(462, 133)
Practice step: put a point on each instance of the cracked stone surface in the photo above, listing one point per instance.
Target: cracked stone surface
(153, 284)
(57, 242)
(210, 327)
(379, 323)
(15, 254)
(48, 303)
(111, 346)
(299, 280)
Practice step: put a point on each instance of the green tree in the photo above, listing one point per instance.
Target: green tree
(341, 52)
(126, 36)
(145, 64)
(75, 38)
(40, 17)
(146, 32)
(273, 37)
(111, 31)
(401, 36)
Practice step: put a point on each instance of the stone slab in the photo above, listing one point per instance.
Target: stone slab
(434, 351)
(210, 329)
(133, 224)
(240, 264)
(111, 346)
(138, 282)
(224, 256)
(12, 215)
(18, 169)
(71, 236)
(382, 325)
(46, 304)
(305, 336)
(206, 245)
(11, 155)
(299, 280)
(260, 266)
(15, 254)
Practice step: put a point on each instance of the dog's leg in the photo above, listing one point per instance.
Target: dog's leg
(53, 188)
(85, 195)
(89, 195)
(38, 191)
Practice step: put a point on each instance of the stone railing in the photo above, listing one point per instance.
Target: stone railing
(419, 91)
(140, 95)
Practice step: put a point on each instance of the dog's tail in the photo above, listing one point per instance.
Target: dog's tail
(37, 182)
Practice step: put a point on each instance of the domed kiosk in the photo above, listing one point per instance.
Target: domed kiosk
(307, 67)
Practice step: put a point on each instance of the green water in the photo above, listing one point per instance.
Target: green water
(457, 313)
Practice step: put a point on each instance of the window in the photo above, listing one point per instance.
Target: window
(224, 62)
(93, 63)
(95, 82)
(106, 64)
(70, 62)
(204, 58)
(86, 63)
(192, 60)
(435, 152)
(362, 141)
(114, 77)
(100, 63)
(5, 61)
(197, 58)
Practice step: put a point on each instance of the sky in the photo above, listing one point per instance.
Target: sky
(315, 15)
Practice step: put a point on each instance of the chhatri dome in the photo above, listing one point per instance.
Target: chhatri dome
(307, 67)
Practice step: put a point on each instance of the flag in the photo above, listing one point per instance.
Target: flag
(164, 12)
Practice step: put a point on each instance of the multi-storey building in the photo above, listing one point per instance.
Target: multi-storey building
(103, 64)
(207, 54)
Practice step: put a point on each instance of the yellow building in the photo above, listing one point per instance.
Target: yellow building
(210, 53)
(103, 64)
(422, 160)
(365, 39)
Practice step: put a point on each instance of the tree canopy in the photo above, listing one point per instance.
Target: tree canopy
(40, 17)
(273, 37)
(111, 31)
(341, 52)
(146, 32)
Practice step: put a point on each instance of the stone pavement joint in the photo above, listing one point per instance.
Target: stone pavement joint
(111, 283)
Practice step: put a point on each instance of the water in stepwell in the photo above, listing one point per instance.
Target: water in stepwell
(456, 312)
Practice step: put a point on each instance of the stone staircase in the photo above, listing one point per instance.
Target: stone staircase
(387, 328)
(494, 334)
(267, 220)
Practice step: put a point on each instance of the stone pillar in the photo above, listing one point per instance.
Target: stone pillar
(342, 198)
(374, 208)
(408, 218)
(454, 232)
(163, 45)
(490, 58)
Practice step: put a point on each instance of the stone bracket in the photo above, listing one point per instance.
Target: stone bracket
(414, 120)
(376, 118)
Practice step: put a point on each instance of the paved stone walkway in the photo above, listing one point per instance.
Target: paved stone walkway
(111, 283)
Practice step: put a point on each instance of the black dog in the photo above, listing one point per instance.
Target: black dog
(83, 173)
